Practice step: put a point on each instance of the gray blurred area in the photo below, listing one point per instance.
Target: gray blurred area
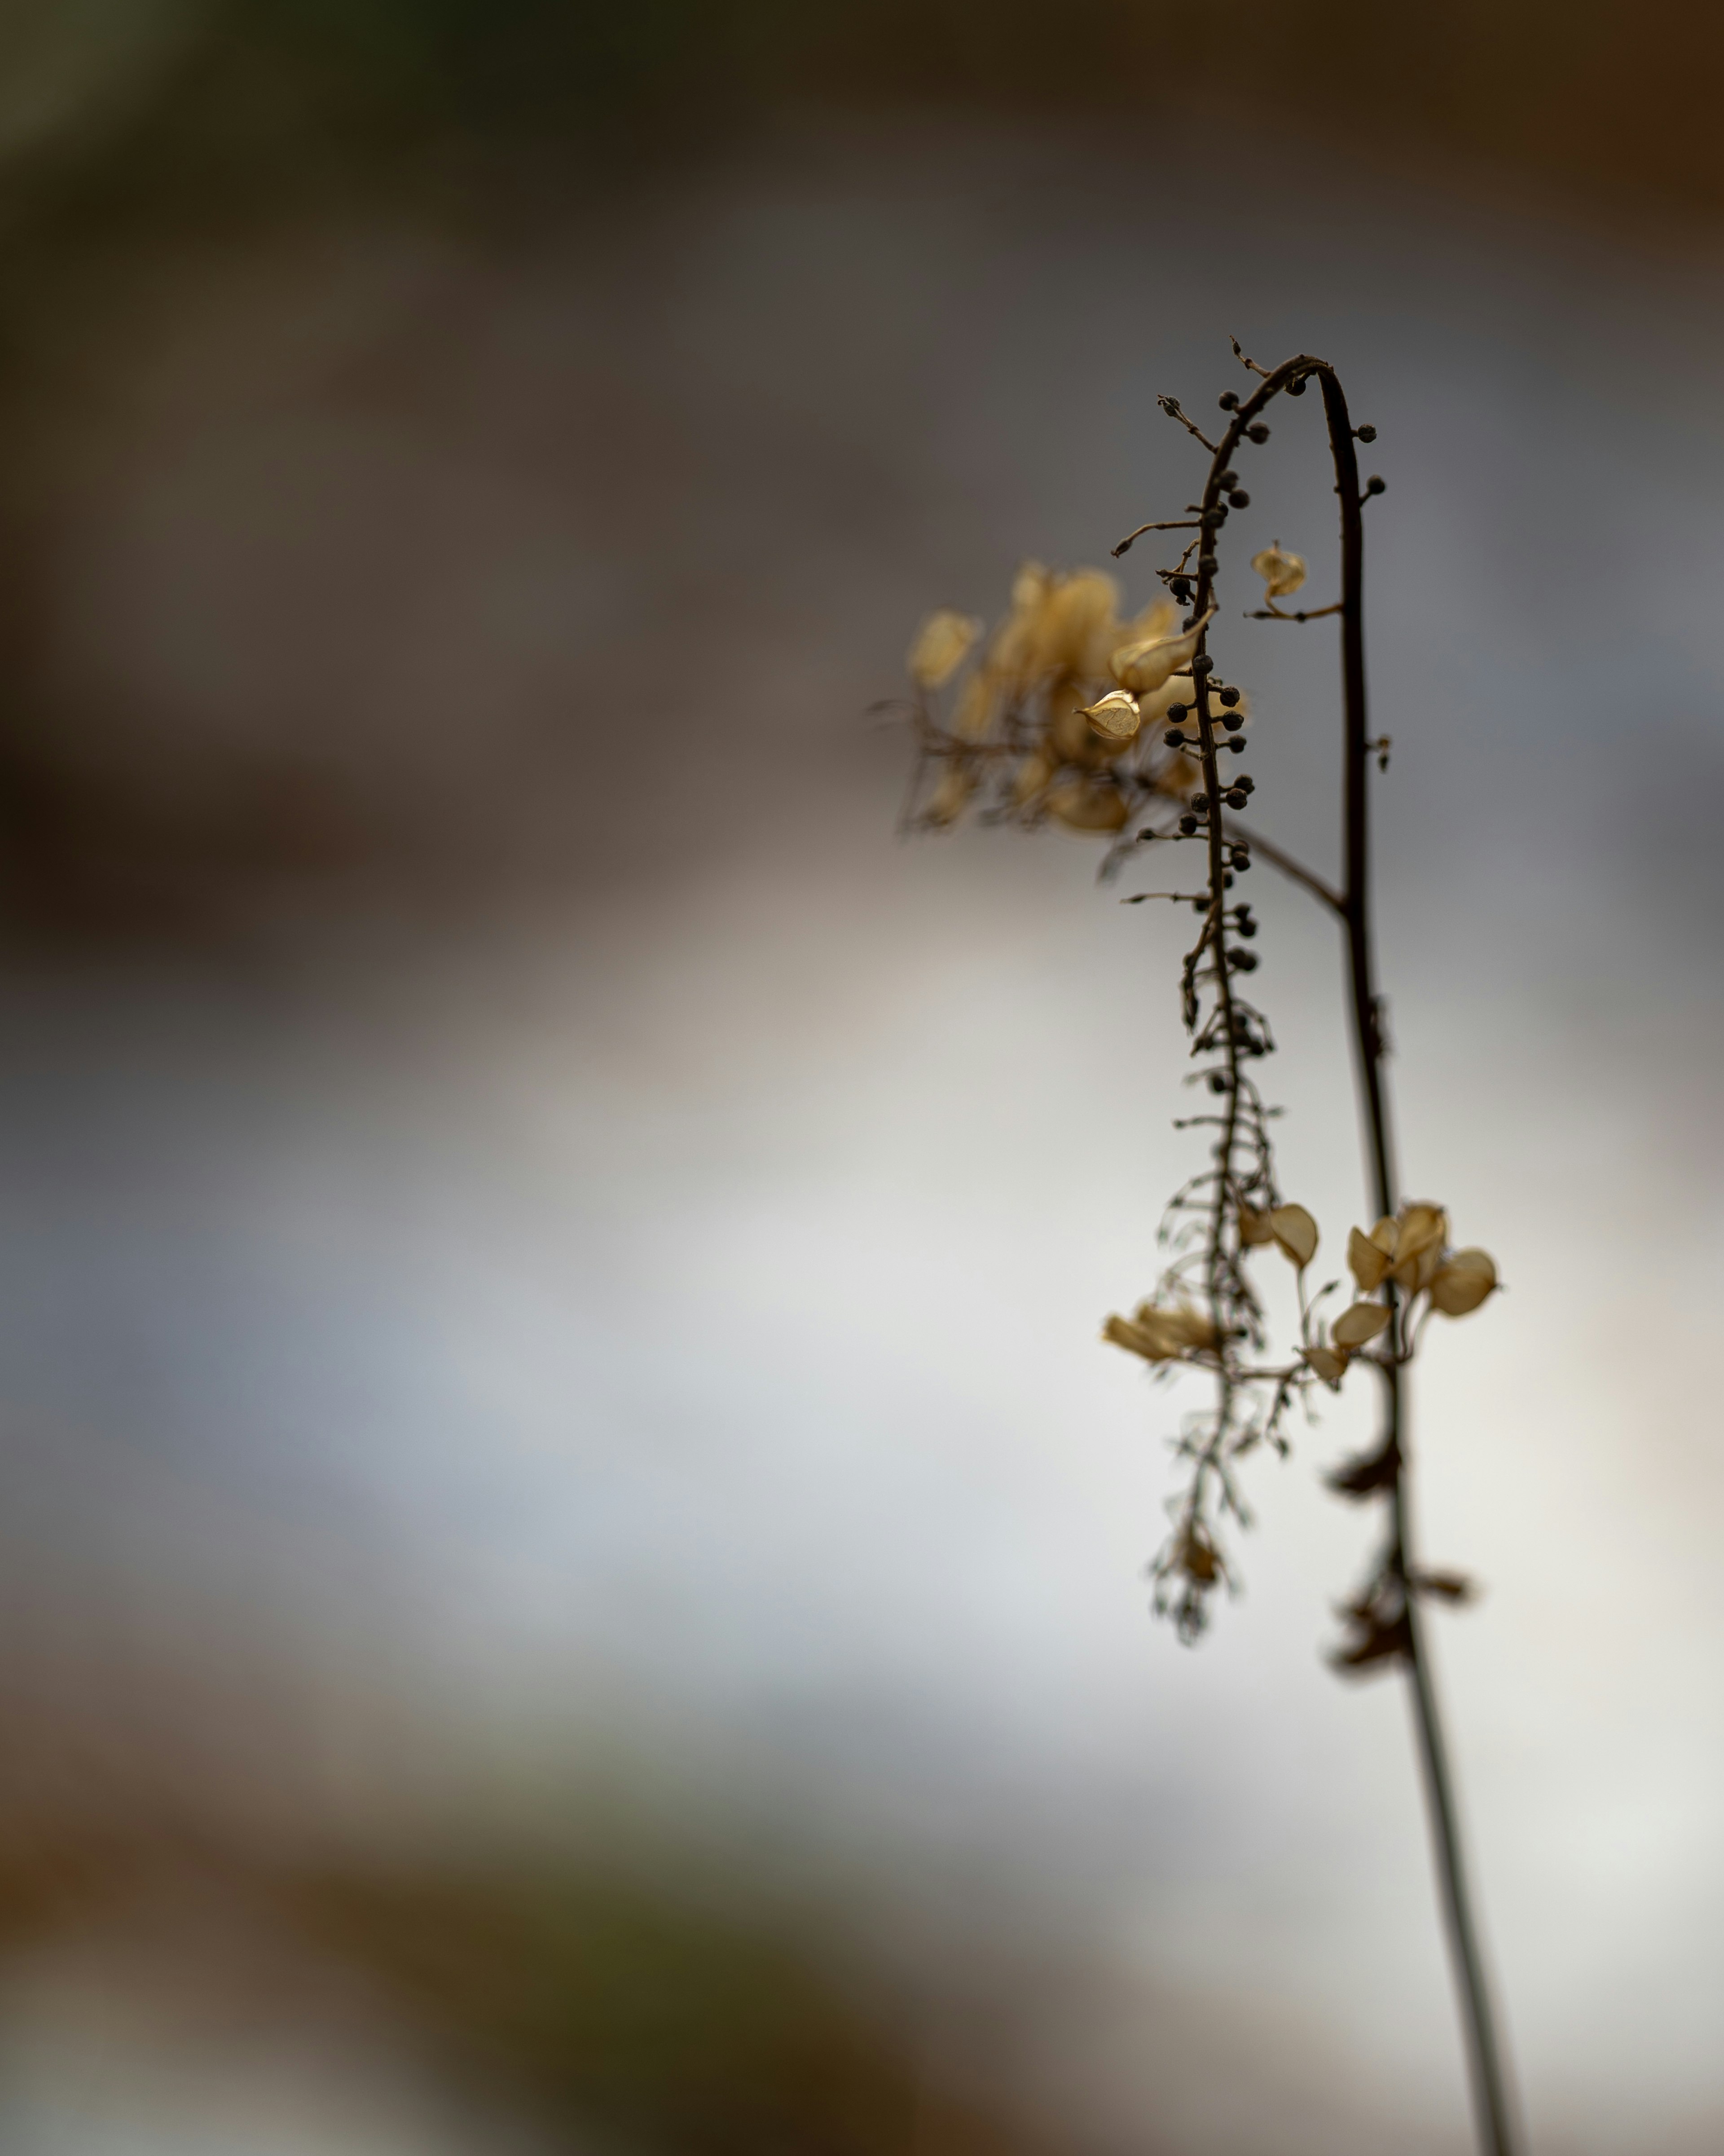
(551, 1262)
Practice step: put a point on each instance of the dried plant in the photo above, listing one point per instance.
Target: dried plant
(1072, 714)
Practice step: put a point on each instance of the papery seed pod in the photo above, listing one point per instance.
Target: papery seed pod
(1150, 662)
(1362, 1322)
(1255, 1229)
(1329, 1363)
(1368, 1261)
(1076, 623)
(1462, 1282)
(1116, 714)
(1422, 1230)
(942, 645)
(1281, 572)
(1296, 1233)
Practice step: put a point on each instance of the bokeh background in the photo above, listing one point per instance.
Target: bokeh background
(571, 1567)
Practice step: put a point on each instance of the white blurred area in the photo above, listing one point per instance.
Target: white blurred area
(588, 1250)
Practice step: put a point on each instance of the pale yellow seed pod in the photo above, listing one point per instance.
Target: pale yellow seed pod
(1422, 1232)
(942, 645)
(1076, 616)
(1364, 1322)
(1145, 666)
(1463, 1281)
(1281, 572)
(1368, 1260)
(1295, 1233)
(1115, 716)
(1329, 1363)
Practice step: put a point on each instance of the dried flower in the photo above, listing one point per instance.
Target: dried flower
(1282, 572)
(1160, 1335)
(942, 645)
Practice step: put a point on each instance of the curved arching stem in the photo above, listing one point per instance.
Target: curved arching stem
(1390, 1470)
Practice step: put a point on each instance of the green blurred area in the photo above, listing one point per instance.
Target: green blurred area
(116, 100)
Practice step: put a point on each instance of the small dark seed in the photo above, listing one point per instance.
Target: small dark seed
(1246, 782)
(1218, 1081)
(1227, 478)
(1257, 431)
(1237, 746)
(1296, 387)
(1203, 664)
(1232, 721)
(1229, 400)
(1188, 824)
(1226, 880)
(1366, 434)
(1235, 799)
(1375, 486)
(1241, 861)
(1230, 697)
(1176, 712)
(1239, 499)
(1243, 961)
(1247, 928)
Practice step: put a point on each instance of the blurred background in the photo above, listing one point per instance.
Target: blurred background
(572, 1569)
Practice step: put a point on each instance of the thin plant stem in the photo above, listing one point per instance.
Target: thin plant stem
(1484, 2050)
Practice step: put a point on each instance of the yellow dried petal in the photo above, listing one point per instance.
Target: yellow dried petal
(1282, 572)
(1115, 714)
(1146, 665)
(1369, 1260)
(1463, 1281)
(1088, 807)
(942, 645)
(945, 804)
(1328, 1362)
(1354, 1327)
(1296, 1232)
(1386, 1235)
